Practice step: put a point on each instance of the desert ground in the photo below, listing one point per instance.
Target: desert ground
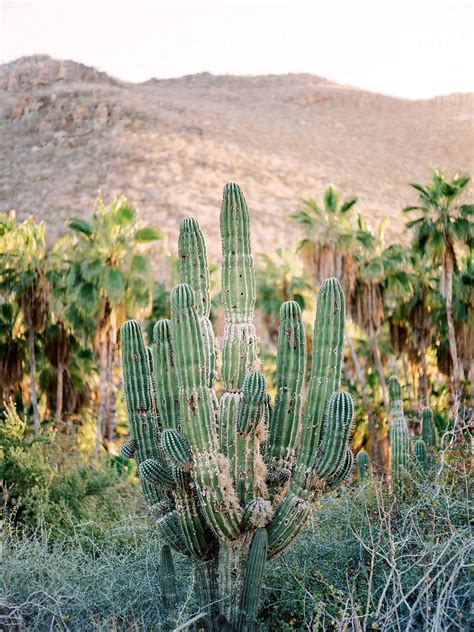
(70, 133)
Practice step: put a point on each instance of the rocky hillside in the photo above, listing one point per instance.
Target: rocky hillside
(70, 133)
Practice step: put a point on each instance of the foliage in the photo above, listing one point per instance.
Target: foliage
(369, 561)
(107, 266)
(48, 483)
(441, 222)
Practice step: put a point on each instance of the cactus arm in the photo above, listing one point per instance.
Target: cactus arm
(168, 588)
(249, 470)
(193, 266)
(166, 380)
(289, 520)
(239, 351)
(128, 449)
(256, 561)
(155, 471)
(342, 473)
(285, 419)
(194, 272)
(176, 449)
(328, 341)
(211, 469)
(335, 434)
(291, 515)
(139, 401)
(169, 530)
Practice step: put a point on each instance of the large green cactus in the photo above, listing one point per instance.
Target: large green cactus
(233, 482)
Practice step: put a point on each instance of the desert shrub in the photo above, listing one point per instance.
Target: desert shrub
(47, 482)
(107, 583)
(371, 560)
(376, 560)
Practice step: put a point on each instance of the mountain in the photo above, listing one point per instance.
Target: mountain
(70, 133)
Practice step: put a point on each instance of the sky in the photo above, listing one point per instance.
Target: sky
(405, 48)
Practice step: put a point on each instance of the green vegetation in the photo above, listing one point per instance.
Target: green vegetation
(234, 465)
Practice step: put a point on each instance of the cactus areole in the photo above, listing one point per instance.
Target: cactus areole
(233, 481)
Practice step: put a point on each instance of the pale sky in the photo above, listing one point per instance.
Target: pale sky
(406, 48)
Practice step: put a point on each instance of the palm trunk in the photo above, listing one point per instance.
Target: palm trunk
(34, 401)
(407, 376)
(110, 400)
(376, 457)
(424, 378)
(448, 276)
(59, 394)
(379, 368)
(102, 395)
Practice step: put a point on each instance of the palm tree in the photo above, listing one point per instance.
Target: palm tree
(24, 275)
(329, 247)
(439, 230)
(463, 307)
(380, 270)
(109, 281)
(419, 308)
(279, 279)
(329, 237)
(12, 350)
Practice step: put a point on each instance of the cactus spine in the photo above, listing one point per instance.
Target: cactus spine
(232, 482)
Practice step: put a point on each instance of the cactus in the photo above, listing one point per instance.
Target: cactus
(421, 454)
(232, 482)
(362, 461)
(399, 437)
(428, 430)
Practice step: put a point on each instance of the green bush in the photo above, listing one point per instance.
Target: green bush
(48, 483)
(107, 583)
(370, 560)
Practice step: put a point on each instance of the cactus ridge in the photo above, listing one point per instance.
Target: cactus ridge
(343, 472)
(176, 448)
(233, 480)
(128, 449)
(153, 471)
(252, 405)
